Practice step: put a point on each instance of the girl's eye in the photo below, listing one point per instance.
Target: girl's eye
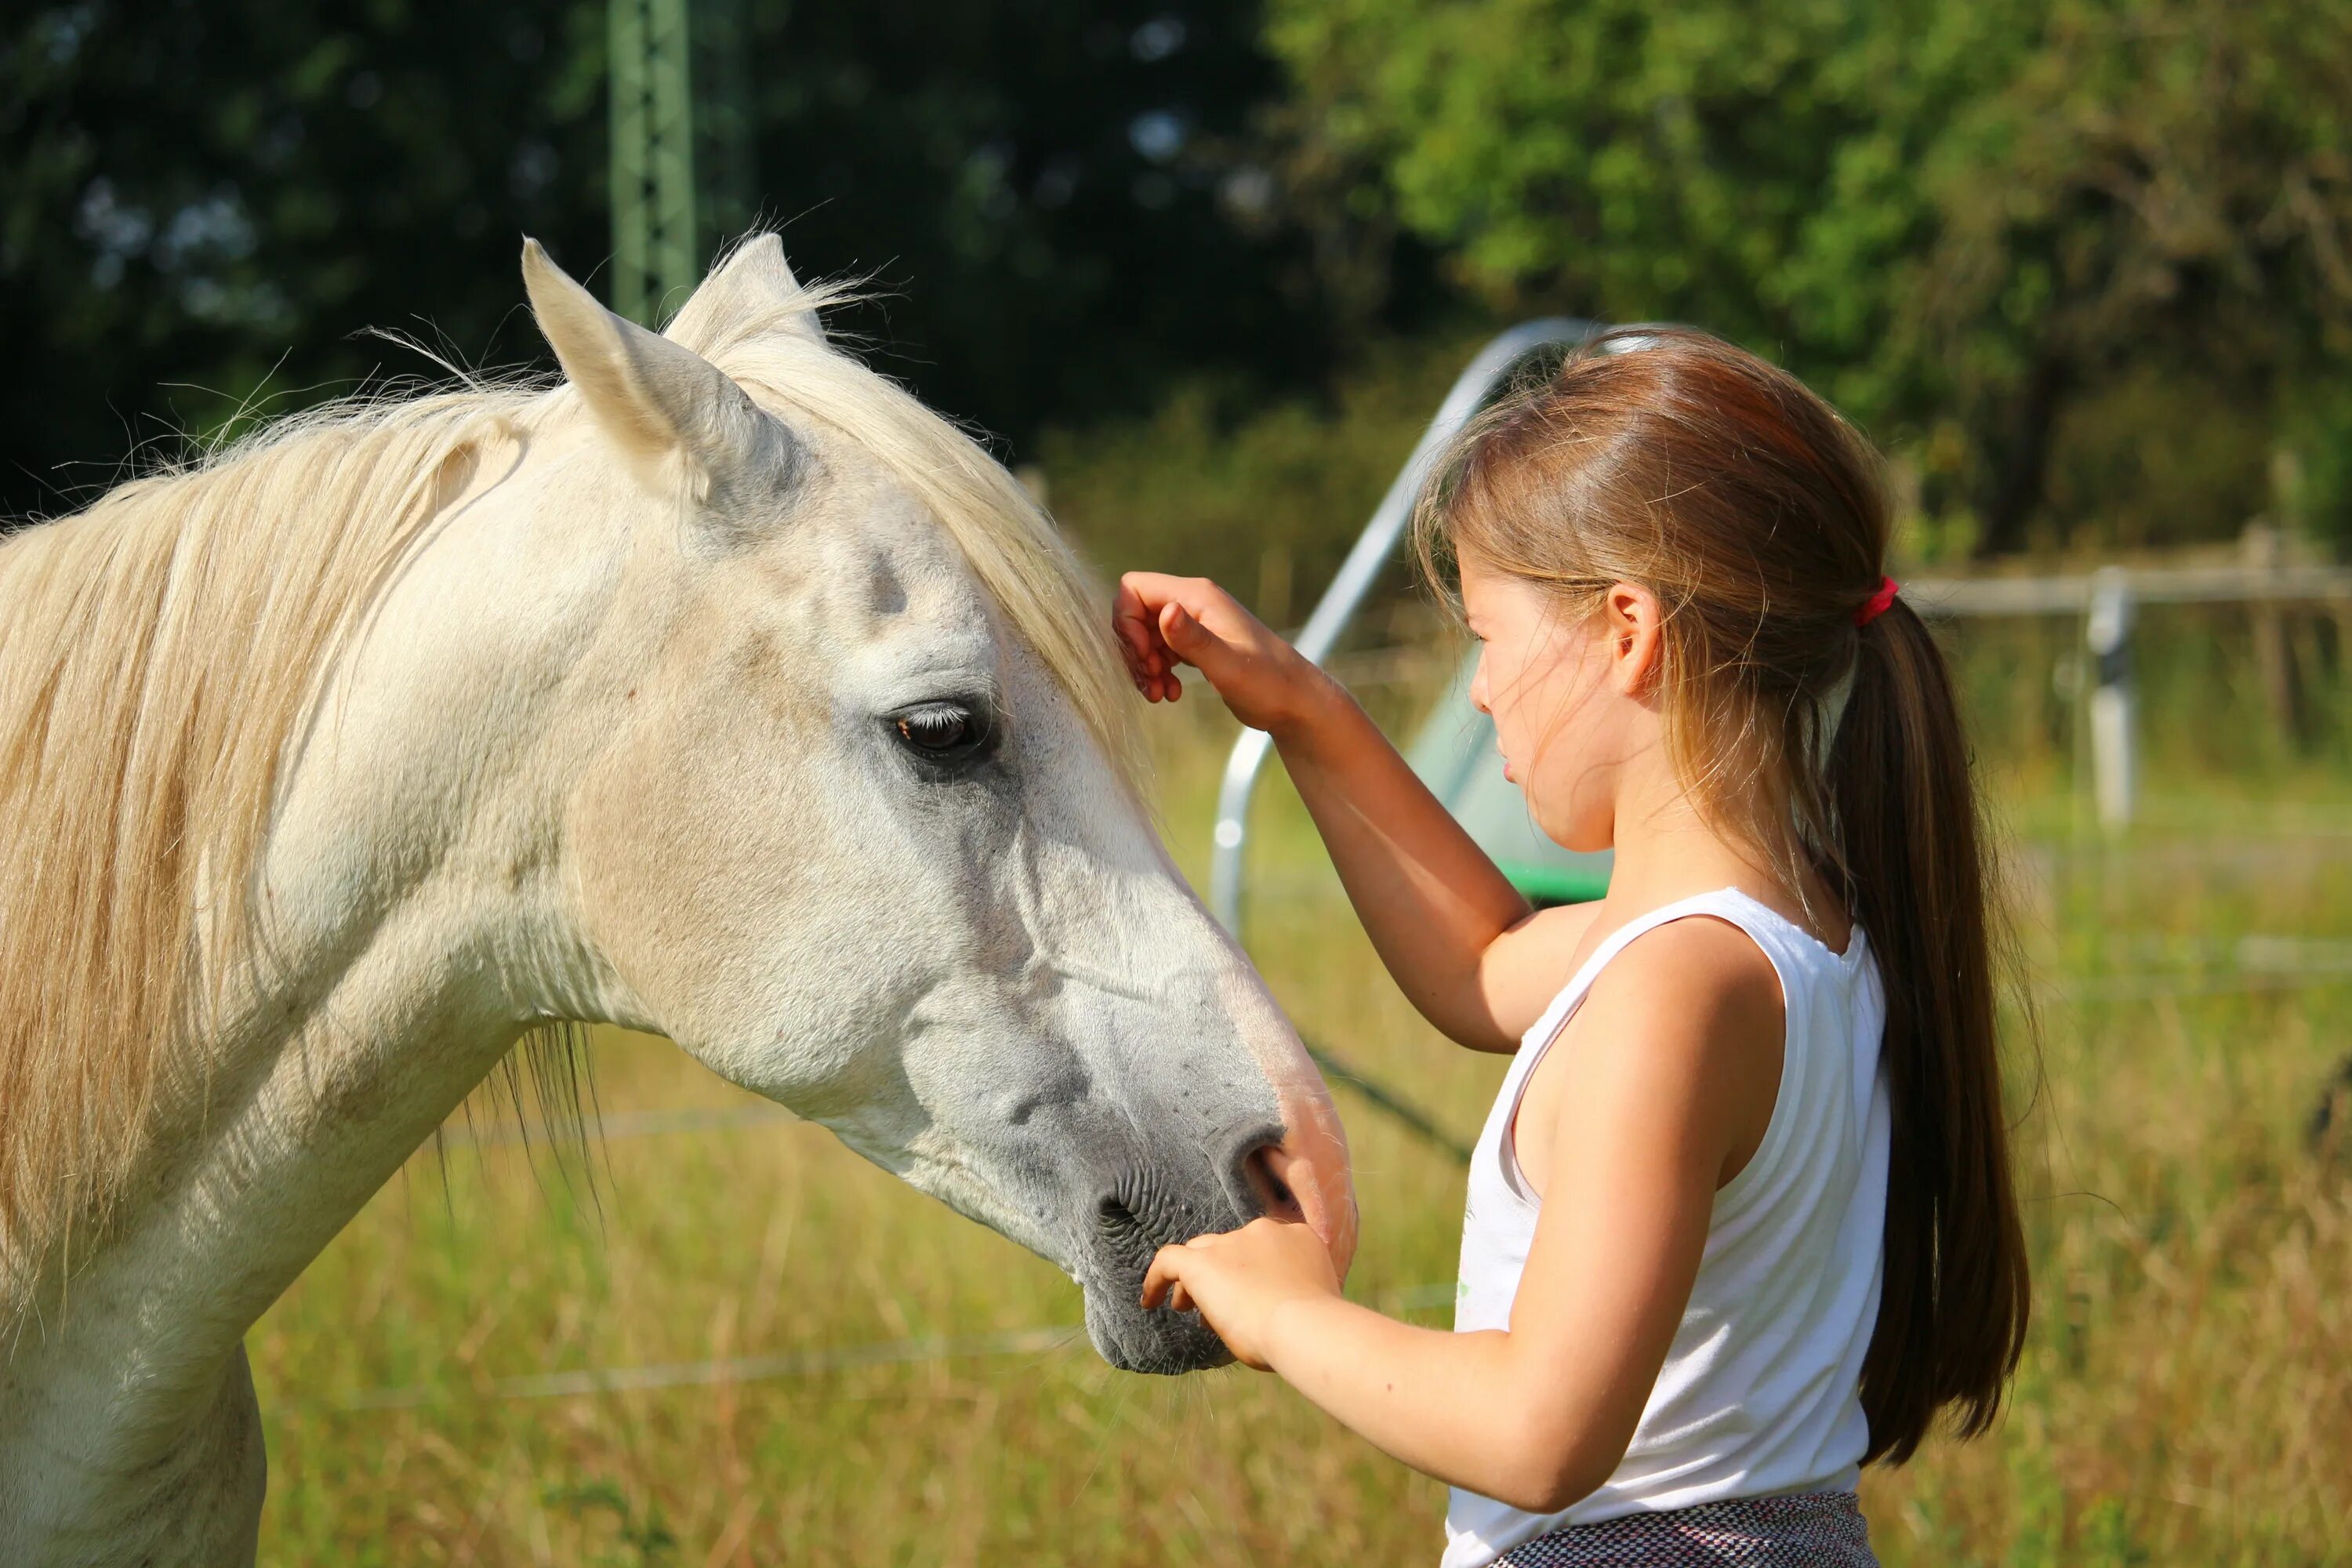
(942, 732)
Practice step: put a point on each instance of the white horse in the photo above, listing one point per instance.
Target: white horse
(722, 692)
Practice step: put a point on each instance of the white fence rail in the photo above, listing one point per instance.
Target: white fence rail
(2108, 601)
(2073, 594)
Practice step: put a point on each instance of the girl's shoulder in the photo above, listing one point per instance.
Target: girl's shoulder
(1698, 973)
(1722, 948)
(1691, 957)
(1697, 958)
(1684, 1020)
(1678, 1035)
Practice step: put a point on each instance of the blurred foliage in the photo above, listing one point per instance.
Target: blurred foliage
(1961, 223)
(1264, 496)
(202, 202)
(2086, 266)
(1038, 190)
(201, 205)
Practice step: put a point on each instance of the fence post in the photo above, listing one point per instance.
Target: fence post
(2263, 550)
(2108, 638)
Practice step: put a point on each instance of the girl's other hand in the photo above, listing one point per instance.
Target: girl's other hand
(1163, 621)
(1238, 1279)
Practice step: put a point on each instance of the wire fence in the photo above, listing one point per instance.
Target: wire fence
(2252, 964)
(2261, 963)
(816, 1362)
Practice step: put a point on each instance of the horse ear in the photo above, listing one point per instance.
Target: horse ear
(653, 396)
(750, 293)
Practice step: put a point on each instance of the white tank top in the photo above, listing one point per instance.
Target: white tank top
(1760, 1390)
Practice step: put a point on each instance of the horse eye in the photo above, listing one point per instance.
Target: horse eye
(940, 730)
(934, 728)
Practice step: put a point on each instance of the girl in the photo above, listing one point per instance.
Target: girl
(1741, 1220)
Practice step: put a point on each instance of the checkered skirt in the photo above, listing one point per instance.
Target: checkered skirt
(1808, 1529)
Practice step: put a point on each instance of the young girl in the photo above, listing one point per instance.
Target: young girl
(1741, 1220)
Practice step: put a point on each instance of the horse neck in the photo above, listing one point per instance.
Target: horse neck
(321, 1088)
(408, 935)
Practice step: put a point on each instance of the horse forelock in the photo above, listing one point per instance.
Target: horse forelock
(1021, 558)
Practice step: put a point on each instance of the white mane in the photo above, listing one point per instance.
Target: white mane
(159, 648)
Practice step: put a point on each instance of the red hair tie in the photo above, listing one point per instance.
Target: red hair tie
(1876, 605)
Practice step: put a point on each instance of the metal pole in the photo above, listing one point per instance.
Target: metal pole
(1357, 574)
(2107, 638)
(653, 243)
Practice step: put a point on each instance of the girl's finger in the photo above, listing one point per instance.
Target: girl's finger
(1181, 1300)
(1179, 631)
(1138, 669)
(1142, 598)
(1161, 1275)
(1132, 619)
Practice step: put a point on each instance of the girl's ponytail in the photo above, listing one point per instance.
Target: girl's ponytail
(1952, 1310)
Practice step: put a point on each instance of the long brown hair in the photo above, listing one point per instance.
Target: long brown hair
(1832, 742)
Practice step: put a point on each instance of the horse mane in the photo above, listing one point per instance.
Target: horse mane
(160, 653)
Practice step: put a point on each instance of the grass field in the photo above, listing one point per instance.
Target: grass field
(2186, 1398)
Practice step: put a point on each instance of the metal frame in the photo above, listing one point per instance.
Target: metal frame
(681, 168)
(1357, 572)
(652, 82)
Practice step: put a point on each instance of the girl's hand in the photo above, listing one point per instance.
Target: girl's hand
(1165, 621)
(1238, 1279)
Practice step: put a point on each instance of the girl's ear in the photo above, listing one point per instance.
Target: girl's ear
(1635, 623)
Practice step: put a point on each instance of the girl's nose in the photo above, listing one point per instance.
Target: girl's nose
(1478, 686)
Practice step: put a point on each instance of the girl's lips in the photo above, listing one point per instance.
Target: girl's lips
(1507, 774)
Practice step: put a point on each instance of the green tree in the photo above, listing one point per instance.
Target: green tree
(203, 206)
(2153, 213)
(1041, 189)
(205, 195)
(1963, 223)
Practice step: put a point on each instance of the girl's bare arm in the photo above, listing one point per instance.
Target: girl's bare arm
(1462, 944)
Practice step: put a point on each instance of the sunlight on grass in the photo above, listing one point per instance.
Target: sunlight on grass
(2187, 1396)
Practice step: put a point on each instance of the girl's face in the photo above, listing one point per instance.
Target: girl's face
(1562, 687)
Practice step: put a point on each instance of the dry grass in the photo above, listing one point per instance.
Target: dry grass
(2187, 1399)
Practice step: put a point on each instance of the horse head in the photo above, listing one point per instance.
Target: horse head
(848, 817)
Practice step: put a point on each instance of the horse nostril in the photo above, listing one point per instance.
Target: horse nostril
(1274, 1198)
